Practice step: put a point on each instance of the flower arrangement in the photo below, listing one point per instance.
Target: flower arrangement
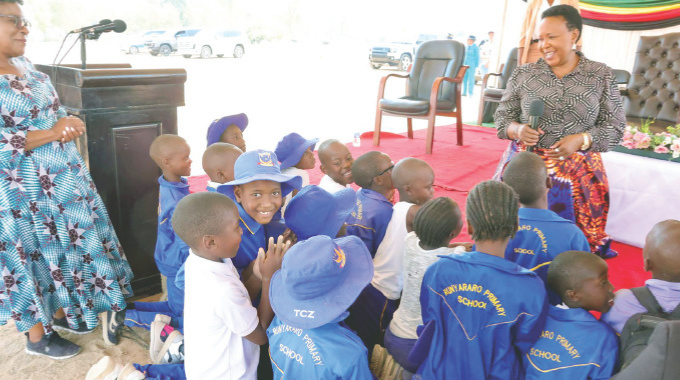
(667, 142)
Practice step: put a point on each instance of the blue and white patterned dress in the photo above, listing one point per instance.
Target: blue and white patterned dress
(58, 248)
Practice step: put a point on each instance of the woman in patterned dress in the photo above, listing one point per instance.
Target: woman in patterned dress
(60, 259)
(583, 116)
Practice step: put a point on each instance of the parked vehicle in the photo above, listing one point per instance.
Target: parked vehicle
(400, 53)
(165, 43)
(134, 44)
(207, 43)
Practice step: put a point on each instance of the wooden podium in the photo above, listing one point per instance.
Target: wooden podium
(124, 109)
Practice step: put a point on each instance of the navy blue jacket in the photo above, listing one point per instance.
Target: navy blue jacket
(331, 351)
(573, 345)
(486, 312)
(171, 252)
(542, 235)
(370, 218)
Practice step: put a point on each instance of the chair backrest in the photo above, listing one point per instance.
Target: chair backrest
(510, 66)
(438, 58)
(654, 88)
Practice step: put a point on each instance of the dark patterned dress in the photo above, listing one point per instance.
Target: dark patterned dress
(585, 100)
(58, 248)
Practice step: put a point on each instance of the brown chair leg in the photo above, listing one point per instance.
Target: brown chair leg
(459, 127)
(409, 123)
(480, 116)
(376, 130)
(430, 132)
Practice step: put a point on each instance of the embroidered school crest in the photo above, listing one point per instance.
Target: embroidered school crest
(265, 159)
(339, 257)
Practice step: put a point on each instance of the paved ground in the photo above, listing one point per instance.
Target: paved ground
(322, 91)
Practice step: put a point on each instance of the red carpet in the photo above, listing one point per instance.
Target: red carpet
(457, 169)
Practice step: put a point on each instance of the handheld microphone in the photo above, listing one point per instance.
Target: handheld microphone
(535, 113)
(102, 22)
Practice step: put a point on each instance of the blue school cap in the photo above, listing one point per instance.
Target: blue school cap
(260, 165)
(218, 126)
(320, 278)
(291, 148)
(314, 211)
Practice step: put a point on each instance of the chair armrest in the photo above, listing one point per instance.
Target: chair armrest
(438, 82)
(383, 81)
(486, 79)
(621, 76)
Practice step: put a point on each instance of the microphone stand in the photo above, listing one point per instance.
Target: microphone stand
(86, 35)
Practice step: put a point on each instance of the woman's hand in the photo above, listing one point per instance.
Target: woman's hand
(564, 148)
(68, 129)
(528, 135)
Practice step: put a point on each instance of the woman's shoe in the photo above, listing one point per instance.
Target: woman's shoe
(105, 369)
(61, 324)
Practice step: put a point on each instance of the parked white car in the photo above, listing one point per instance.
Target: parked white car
(208, 43)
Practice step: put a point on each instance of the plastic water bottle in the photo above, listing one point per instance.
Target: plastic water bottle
(357, 140)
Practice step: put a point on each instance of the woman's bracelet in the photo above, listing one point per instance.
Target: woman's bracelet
(587, 141)
(515, 130)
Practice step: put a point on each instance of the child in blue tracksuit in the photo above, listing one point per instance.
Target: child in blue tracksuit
(573, 343)
(218, 163)
(485, 311)
(319, 279)
(229, 129)
(171, 154)
(542, 234)
(372, 311)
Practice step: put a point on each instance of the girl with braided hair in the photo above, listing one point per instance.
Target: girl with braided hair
(483, 309)
(436, 223)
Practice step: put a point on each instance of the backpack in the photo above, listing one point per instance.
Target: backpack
(639, 327)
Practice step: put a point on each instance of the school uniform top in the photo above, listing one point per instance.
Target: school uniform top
(171, 251)
(331, 351)
(370, 218)
(327, 183)
(486, 311)
(293, 171)
(218, 315)
(388, 261)
(407, 318)
(573, 345)
(252, 240)
(216, 187)
(626, 304)
(541, 236)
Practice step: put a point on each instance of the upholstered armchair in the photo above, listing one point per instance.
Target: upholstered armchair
(432, 89)
(654, 87)
(494, 94)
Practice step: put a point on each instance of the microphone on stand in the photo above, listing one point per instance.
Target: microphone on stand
(118, 26)
(102, 22)
(535, 113)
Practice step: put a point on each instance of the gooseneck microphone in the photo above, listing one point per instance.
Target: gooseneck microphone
(535, 112)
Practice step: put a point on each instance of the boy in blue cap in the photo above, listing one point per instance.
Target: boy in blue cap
(258, 188)
(314, 211)
(319, 279)
(484, 310)
(171, 154)
(218, 163)
(542, 234)
(574, 344)
(297, 156)
(229, 129)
